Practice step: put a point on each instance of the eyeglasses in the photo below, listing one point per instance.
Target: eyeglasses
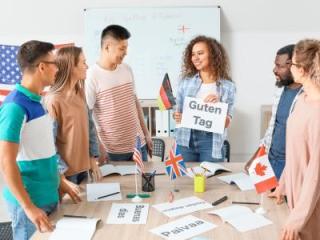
(46, 62)
(296, 64)
(49, 62)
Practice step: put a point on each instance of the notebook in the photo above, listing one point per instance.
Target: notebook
(242, 218)
(242, 180)
(121, 169)
(211, 169)
(74, 228)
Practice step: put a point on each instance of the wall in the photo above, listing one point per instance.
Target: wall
(252, 31)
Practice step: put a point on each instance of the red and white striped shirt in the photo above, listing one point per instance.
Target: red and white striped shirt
(112, 97)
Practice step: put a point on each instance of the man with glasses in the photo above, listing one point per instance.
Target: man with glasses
(28, 158)
(275, 136)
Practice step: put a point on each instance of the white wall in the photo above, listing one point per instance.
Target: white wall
(252, 31)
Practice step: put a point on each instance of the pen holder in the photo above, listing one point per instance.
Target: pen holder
(148, 182)
(199, 183)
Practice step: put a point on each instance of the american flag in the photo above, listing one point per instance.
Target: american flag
(137, 157)
(9, 70)
(175, 165)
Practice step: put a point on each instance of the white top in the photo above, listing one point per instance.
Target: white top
(111, 95)
(206, 89)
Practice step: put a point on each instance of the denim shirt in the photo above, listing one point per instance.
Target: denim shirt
(189, 87)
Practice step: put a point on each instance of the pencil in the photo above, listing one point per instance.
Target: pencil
(252, 203)
(108, 195)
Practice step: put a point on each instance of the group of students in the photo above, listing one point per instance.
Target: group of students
(49, 146)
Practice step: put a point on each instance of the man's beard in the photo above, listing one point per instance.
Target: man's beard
(285, 82)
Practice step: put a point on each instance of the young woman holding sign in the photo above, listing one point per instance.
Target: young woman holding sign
(205, 75)
(300, 179)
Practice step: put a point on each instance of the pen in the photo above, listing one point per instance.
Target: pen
(108, 195)
(74, 216)
(221, 200)
(252, 203)
(159, 174)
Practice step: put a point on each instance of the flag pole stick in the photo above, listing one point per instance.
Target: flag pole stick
(136, 198)
(261, 210)
(175, 189)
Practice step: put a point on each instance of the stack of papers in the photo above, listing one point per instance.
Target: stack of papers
(241, 218)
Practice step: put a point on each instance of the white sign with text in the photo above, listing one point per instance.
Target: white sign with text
(128, 213)
(182, 206)
(183, 228)
(203, 116)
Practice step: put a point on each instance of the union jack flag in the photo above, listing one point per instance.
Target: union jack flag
(175, 165)
(137, 157)
(9, 70)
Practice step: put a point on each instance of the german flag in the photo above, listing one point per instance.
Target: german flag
(166, 99)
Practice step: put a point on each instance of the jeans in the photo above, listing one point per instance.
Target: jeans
(78, 178)
(200, 148)
(278, 166)
(22, 227)
(128, 156)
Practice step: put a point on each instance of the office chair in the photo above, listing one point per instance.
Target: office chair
(226, 149)
(158, 148)
(5, 231)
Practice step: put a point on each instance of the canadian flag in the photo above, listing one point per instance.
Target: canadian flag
(261, 172)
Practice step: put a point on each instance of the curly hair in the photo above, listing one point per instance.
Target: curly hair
(218, 58)
(307, 56)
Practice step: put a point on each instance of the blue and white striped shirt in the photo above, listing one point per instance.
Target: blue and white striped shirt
(189, 87)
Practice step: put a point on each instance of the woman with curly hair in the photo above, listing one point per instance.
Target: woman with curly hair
(205, 75)
(300, 180)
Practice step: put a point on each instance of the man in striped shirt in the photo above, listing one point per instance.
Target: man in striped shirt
(110, 92)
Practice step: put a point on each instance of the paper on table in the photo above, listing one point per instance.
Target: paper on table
(242, 218)
(242, 180)
(74, 228)
(96, 190)
(128, 213)
(182, 206)
(183, 228)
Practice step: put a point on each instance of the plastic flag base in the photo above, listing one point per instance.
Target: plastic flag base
(260, 211)
(136, 199)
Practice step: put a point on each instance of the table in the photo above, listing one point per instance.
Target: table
(215, 189)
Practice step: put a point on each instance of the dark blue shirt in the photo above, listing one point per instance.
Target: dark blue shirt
(278, 144)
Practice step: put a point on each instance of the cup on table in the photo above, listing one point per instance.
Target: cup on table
(199, 183)
(148, 182)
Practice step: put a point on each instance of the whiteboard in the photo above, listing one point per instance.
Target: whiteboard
(158, 39)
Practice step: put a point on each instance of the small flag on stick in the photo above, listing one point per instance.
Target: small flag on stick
(261, 172)
(166, 99)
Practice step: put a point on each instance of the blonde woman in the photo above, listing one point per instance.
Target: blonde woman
(67, 105)
(300, 180)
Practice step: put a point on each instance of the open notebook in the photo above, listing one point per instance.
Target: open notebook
(212, 169)
(121, 169)
(242, 218)
(242, 180)
(79, 228)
